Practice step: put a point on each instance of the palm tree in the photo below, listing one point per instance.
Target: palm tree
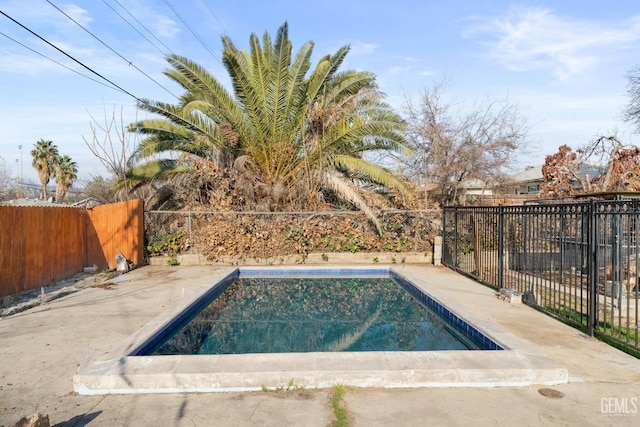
(66, 174)
(44, 154)
(286, 126)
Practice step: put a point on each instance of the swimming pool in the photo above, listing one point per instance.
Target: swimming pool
(312, 313)
(129, 368)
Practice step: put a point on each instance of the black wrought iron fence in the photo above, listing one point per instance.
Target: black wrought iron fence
(577, 261)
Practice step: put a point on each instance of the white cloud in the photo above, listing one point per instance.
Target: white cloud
(164, 27)
(361, 48)
(398, 69)
(427, 73)
(529, 39)
(78, 14)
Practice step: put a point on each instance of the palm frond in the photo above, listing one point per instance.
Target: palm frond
(152, 170)
(324, 70)
(363, 170)
(351, 194)
(346, 340)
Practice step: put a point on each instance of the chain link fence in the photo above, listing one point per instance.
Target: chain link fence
(271, 234)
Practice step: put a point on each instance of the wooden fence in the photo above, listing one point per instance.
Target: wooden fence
(39, 245)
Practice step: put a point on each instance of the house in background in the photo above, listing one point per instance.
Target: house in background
(522, 186)
(476, 188)
(527, 182)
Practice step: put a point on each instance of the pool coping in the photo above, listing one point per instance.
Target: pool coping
(119, 372)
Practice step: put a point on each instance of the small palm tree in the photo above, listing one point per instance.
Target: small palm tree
(66, 172)
(45, 154)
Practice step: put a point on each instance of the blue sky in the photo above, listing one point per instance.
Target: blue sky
(562, 62)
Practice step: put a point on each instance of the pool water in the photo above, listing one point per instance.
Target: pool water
(292, 315)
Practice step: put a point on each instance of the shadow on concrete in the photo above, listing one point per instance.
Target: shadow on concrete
(79, 420)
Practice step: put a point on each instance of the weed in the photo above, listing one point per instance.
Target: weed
(168, 244)
(291, 385)
(340, 414)
(400, 243)
(297, 238)
(393, 260)
(352, 243)
(487, 243)
(325, 257)
(376, 259)
(173, 261)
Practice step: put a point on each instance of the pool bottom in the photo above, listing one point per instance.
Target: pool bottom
(257, 314)
(119, 372)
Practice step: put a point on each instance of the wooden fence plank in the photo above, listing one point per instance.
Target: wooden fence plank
(39, 245)
(11, 270)
(117, 228)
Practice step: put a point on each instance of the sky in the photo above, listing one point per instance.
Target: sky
(563, 63)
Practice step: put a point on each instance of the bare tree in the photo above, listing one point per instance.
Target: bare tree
(5, 181)
(618, 164)
(632, 111)
(614, 166)
(98, 188)
(111, 143)
(451, 147)
(621, 164)
(560, 173)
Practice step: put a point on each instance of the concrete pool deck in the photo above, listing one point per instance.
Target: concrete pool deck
(43, 348)
(121, 371)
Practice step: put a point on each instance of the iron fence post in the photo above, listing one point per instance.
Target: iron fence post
(593, 268)
(455, 238)
(444, 236)
(500, 247)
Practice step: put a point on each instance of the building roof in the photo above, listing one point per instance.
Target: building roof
(474, 183)
(531, 173)
(534, 173)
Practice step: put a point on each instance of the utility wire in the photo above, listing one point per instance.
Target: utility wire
(131, 25)
(215, 16)
(56, 62)
(191, 30)
(72, 58)
(143, 26)
(111, 49)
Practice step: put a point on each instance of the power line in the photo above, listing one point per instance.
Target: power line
(111, 49)
(215, 16)
(72, 58)
(143, 26)
(56, 62)
(191, 30)
(131, 25)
